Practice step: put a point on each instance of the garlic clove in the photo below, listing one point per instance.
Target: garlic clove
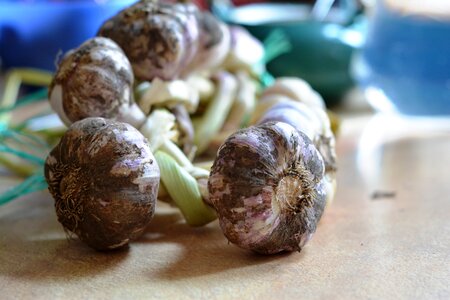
(267, 187)
(104, 180)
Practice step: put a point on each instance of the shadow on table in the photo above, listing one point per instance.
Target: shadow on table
(205, 250)
(33, 246)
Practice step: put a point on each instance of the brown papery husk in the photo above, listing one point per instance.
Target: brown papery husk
(267, 186)
(159, 38)
(105, 181)
(96, 80)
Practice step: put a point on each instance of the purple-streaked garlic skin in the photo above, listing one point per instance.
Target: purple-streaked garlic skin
(158, 38)
(95, 80)
(213, 44)
(267, 187)
(304, 119)
(104, 180)
(246, 51)
(295, 114)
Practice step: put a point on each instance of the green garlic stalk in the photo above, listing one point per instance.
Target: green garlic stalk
(207, 126)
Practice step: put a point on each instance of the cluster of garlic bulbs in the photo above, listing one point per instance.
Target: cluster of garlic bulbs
(170, 79)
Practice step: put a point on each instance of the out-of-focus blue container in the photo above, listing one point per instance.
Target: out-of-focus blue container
(405, 63)
(33, 33)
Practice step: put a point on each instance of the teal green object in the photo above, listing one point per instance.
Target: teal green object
(30, 185)
(321, 50)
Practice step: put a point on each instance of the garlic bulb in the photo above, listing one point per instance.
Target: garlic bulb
(104, 180)
(293, 101)
(95, 80)
(246, 52)
(267, 187)
(311, 121)
(159, 38)
(213, 45)
(296, 89)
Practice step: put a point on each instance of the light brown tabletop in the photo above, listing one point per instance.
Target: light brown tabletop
(386, 236)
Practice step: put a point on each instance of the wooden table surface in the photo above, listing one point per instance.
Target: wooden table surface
(386, 236)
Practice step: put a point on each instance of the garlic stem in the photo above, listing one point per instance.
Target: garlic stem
(244, 103)
(212, 121)
(184, 191)
(170, 148)
(202, 85)
(158, 128)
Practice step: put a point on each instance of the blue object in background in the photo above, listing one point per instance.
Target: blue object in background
(33, 33)
(405, 63)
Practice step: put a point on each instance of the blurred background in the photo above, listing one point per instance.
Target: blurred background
(394, 52)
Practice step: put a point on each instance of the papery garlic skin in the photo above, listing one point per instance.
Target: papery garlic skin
(246, 52)
(293, 101)
(310, 120)
(160, 39)
(267, 186)
(95, 80)
(104, 180)
(213, 44)
(297, 89)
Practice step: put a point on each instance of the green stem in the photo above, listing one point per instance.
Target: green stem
(175, 152)
(184, 191)
(217, 112)
(170, 148)
(244, 102)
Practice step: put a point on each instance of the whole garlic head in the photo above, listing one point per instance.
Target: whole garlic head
(104, 180)
(267, 187)
(159, 38)
(95, 80)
